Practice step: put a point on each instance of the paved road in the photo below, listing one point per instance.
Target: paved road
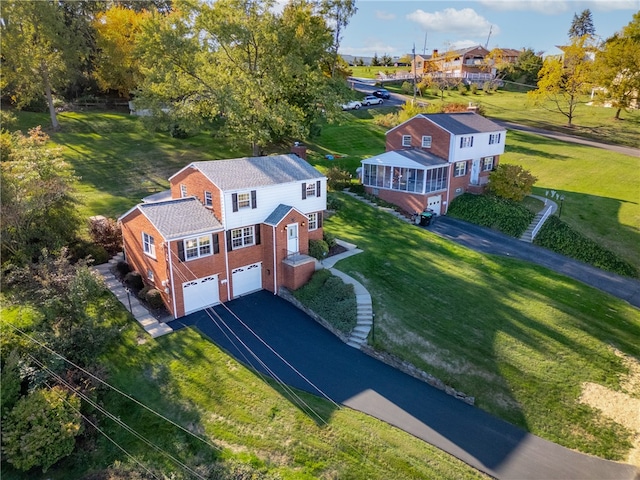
(351, 378)
(490, 241)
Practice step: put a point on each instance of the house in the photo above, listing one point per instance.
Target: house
(467, 65)
(229, 227)
(431, 159)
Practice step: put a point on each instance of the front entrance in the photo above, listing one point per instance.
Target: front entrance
(435, 203)
(246, 279)
(292, 239)
(475, 171)
(200, 293)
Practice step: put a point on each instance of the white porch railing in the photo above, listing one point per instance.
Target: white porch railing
(541, 222)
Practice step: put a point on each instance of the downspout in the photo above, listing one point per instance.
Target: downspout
(275, 263)
(173, 285)
(226, 261)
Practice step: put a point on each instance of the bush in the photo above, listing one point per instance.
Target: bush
(329, 238)
(333, 202)
(474, 88)
(154, 298)
(83, 249)
(561, 238)
(462, 89)
(357, 188)
(123, 268)
(337, 178)
(506, 216)
(318, 249)
(107, 233)
(406, 88)
(133, 281)
(511, 182)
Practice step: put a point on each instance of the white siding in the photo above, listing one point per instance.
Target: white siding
(481, 147)
(268, 198)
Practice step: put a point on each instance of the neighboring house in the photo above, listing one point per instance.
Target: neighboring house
(230, 227)
(468, 65)
(431, 159)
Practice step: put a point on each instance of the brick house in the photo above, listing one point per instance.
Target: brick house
(431, 159)
(230, 227)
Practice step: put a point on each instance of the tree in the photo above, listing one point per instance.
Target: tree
(386, 60)
(582, 25)
(617, 67)
(564, 81)
(338, 12)
(117, 68)
(38, 208)
(375, 61)
(257, 74)
(41, 429)
(511, 182)
(39, 51)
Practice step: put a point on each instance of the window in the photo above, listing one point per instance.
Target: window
(242, 237)
(466, 142)
(406, 140)
(311, 189)
(208, 199)
(244, 200)
(313, 221)
(183, 191)
(197, 247)
(148, 245)
(494, 138)
(150, 275)
(487, 164)
(460, 169)
(426, 141)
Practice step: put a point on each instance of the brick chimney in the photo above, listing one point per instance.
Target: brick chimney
(300, 150)
(435, 53)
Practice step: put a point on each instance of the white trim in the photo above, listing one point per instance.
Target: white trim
(173, 290)
(275, 262)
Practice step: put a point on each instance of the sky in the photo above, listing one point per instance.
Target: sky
(393, 27)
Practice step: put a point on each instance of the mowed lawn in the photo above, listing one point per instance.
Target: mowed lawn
(518, 337)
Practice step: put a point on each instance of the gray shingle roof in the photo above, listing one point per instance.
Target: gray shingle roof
(278, 214)
(251, 172)
(180, 217)
(424, 158)
(463, 123)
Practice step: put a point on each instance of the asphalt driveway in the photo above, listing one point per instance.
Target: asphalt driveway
(256, 326)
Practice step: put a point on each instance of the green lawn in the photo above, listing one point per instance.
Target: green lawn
(250, 421)
(372, 72)
(518, 337)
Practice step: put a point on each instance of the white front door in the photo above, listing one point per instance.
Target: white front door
(434, 203)
(246, 279)
(200, 293)
(292, 238)
(475, 171)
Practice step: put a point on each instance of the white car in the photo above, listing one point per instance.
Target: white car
(352, 105)
(371, 100)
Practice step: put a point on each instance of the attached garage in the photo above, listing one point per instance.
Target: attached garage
(200, 293)
(246, 279)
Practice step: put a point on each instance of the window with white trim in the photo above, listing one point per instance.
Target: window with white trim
(460, 169)
(313, 221)
(148, 245)
(466, 142)
(487, 164)
(183, 190)
(494, 138)
(244, 200)
(150, 275)
(426, 141)
(311, 189)
(197, 247)
(406, 140)
(242, 237)
(208, 199)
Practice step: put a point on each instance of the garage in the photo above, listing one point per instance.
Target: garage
(200, 293)
(246, 279)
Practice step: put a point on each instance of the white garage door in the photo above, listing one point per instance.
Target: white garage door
(434, 203)
(247, 279)
(200, 293)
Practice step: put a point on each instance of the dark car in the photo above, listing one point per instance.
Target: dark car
(382, 93)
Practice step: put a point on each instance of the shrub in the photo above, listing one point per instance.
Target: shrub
(357, 188)
(329, 238)
(511, 182)
(107, 233)
(133, 280)
(556, 235)
(474, 88)
(462, 89)
(83, 249)
(154, 298)
(337, 178)
(334, 202)
(318, 249)
(406, 88)
(123, 268)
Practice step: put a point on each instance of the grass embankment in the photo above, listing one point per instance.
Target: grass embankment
(518, 337)
(253, 424)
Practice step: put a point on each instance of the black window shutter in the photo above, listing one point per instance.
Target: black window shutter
(234, 200)
(304, 190)
(318, 188)
(181, 250)
(471, 142)
(256, 233)
(229, 243)
(319, 217)
(254, 201)
(216, 244)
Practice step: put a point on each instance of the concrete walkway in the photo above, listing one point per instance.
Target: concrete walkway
(147, 321)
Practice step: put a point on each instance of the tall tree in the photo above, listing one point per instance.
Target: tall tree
(39, 51)
(582, 25)
(617, 67)
(563, 81)
(117, 68)
(339, 12)
(256, 73)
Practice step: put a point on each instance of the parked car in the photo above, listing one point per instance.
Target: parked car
(352, 105)
(382, 93)
(371, 100)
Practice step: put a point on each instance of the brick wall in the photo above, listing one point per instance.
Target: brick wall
(197, 184)
(417, 127)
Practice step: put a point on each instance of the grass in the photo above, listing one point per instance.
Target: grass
(372, 72)
(251, 421)
(518, 337)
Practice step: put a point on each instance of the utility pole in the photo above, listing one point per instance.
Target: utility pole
(415, 71)
(486, 45)
(424, 48)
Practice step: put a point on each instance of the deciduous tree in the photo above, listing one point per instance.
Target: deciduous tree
(511, 182)
(339, 12)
